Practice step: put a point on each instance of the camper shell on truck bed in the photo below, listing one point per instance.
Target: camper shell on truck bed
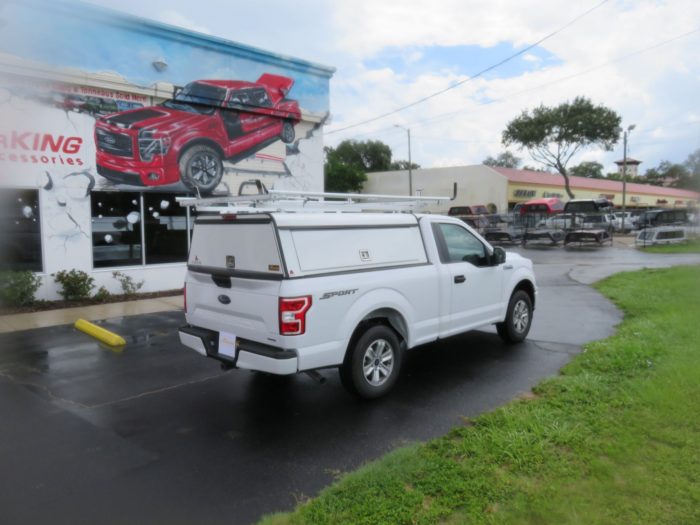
(286, 292)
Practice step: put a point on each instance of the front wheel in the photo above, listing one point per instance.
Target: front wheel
(201, 168)
(518, 318)
(372, 364)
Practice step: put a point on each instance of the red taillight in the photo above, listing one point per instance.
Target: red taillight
(184, 296)
(293, 314)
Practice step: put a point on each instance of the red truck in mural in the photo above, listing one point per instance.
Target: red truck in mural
(187, 138)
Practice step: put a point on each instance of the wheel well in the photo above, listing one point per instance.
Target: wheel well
(528, 288)
(200, 142)
(385, 316)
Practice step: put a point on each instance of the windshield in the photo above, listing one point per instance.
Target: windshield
(198, 98)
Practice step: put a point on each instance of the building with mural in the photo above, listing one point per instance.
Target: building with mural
(106, 118)
(503, 188)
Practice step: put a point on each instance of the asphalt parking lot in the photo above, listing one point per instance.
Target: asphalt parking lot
(156, 434)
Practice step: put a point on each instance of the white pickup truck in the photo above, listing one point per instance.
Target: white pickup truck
(296, 292)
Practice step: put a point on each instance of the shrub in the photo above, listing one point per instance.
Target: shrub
(102, 294)
(75, 284)
(129, 286)
(17, 288)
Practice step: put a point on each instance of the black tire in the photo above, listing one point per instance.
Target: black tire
(287, 134)
(201, 168)
(372, 363)
(518, 318)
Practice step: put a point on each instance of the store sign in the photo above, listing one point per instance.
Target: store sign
(548, 194)
(525, 193)
(634, 199)
(30, 147)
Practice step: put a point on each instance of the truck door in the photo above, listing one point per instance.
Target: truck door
(472, 287)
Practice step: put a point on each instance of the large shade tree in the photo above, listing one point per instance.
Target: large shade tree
(553, 135)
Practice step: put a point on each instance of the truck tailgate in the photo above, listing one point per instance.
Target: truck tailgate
(248, 308)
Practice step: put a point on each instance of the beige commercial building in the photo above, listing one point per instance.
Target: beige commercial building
(505, 187)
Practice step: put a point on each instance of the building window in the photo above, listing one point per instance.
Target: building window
(131, 229)
(116, 229)
(20, 235)
(166, 229)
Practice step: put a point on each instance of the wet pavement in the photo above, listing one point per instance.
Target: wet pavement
(156, 434)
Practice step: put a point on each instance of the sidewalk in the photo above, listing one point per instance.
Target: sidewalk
(17, 322)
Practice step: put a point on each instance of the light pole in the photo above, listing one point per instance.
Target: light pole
(410, 170)
(624, 174)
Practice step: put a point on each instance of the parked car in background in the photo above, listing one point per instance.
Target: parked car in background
(597, 221)
(630, 222)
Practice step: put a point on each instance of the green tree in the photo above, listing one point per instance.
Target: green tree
(589, 169)
(553, 135)
(341, 177)
(674, 175)
(347, 164)
(371, 155)
(692, 164)
(503, 160)
(399, 165)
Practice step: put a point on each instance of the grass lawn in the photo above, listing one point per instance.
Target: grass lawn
(688, 247)
(614, 439)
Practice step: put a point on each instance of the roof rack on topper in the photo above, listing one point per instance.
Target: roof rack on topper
(267, 201)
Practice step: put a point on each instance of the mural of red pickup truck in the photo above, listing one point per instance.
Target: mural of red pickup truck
(187, 138)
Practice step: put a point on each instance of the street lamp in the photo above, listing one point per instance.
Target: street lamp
(624, 174)
(410, 171)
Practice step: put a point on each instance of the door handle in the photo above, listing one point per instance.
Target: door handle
(460, 279)
(508, 267)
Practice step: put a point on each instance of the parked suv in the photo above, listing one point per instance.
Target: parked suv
(187, 138)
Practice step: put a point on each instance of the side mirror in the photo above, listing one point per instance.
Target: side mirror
(498, 256)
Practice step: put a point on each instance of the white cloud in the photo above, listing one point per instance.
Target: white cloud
(650, 89)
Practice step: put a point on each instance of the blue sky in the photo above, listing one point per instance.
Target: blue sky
(389, 53)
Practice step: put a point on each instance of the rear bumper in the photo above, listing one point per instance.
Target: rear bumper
(249, 354)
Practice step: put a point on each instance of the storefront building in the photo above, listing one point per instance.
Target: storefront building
(106, 118)
(503, 188)
(524, 185)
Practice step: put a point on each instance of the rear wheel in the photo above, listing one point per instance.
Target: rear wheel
(287, 134)
(518, 318)
(201, 168)
(372, 364)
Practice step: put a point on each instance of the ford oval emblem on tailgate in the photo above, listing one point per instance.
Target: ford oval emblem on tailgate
(224, 299)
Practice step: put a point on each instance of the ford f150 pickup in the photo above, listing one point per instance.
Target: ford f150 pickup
(187, 138)
(290, 292)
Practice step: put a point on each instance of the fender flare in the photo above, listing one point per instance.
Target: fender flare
(386, 303)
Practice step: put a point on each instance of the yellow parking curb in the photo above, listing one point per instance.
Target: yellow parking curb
(99, 333)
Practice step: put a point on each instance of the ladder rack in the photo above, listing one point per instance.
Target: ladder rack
(300, 201)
